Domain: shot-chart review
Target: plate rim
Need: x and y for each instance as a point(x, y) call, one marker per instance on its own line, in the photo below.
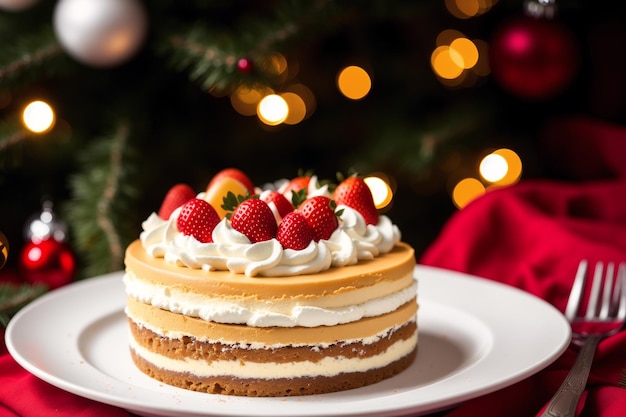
point(425, 275)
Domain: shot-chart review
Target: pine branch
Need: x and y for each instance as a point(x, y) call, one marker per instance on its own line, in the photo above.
point(14, 297)
point(29, 57)
point(211, 56)
point(102, 191)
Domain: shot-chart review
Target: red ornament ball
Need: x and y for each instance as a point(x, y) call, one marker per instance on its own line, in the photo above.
point(245, 65)
point(49, 261)
point(534, 58)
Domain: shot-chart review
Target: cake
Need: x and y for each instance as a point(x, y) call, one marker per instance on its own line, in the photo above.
point(311, 304)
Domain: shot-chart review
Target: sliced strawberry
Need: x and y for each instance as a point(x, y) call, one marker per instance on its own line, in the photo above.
point(278, 203)
point(254, 218)
point(319, 212)
point(175, 197)
point(294, 232)
point(354, 192)
point(198, 218)
point(236, 174)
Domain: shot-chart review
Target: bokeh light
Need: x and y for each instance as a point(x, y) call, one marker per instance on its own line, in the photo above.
point(501, 167)
point(467, 50)
point(493, 167)
point(297, 108)
point(354, 82)
point(38, 117)
point(272, 110)
point(445, 63)
point(466, 191)
point(381, 191)
point(465, 9)
point(245, 100)
point(458, 61)
point(514, 166)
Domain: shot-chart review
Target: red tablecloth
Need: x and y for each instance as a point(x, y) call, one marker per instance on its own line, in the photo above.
point(531, 235)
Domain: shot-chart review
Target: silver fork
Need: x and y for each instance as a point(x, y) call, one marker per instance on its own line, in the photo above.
point(598, 322)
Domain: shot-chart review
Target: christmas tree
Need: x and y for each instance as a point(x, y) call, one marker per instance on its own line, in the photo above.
point(149, 94)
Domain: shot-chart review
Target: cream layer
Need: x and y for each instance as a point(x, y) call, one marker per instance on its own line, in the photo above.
point(335, 287)
point(168, 324)
point(328, 366)
point(282, 313)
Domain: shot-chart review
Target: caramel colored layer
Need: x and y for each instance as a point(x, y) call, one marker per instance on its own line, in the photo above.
point(274, 387)
point(170, 324)
point(378, 272)
point(188, 347)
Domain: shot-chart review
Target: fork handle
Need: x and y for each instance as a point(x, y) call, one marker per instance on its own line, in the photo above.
point(564, 402)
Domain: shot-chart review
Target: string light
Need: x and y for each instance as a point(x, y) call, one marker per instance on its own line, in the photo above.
point(272, 110)
point(465, 9)
point(514, 167)
point(245, 100)
point(354, 82)
point(297, 108)
point(493, 167)
point(466, 191)
point(454, 56)
point(381, 191)
point(38, 117)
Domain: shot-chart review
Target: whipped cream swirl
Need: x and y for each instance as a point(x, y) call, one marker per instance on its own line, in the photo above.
point(231, 250)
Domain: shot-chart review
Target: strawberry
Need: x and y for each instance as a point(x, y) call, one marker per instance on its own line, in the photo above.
point(278, 203)
point(235, 174)
point(294, 232)
point(319, 212)
point(198, 219)
point(254, 218)
point(298, 183)
point(175, 197)
point(354, 192)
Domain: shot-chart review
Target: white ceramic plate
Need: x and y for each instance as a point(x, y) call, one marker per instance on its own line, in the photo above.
point(476, 336)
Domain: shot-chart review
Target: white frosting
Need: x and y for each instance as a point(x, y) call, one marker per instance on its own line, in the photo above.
point(259, 313)
point(353, 241)
point(328, 366)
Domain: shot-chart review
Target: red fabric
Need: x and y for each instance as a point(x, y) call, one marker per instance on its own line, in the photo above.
point(24, 395)
point(532, 236)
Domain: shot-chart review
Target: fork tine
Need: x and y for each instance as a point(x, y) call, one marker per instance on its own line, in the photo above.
point(607, 302)
point(595, 291)
point(576, 292)
point(620, 291)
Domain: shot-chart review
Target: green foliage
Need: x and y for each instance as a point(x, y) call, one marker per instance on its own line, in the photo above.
point(103, 194)
point(14, 297)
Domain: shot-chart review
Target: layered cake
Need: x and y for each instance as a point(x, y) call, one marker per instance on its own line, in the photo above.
point(271, 299)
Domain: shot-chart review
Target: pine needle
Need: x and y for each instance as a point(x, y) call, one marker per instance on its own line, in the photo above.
point(14, 297)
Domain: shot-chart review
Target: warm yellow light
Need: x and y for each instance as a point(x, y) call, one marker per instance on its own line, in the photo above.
point(465, 9)
point(467, 50)
point(297, 108)
point(245, 100)
point(38, 117)
point(446, 63)
point(306, 95)
point(493, 167)
point(272, 110)
point(514, 164)
point(466, 191)
point(354, 82)
point(381, 191)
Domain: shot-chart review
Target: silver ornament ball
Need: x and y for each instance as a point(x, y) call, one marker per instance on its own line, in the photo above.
point(100, 33)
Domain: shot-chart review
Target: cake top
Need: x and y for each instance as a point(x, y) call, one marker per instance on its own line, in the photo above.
point(290, 227)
